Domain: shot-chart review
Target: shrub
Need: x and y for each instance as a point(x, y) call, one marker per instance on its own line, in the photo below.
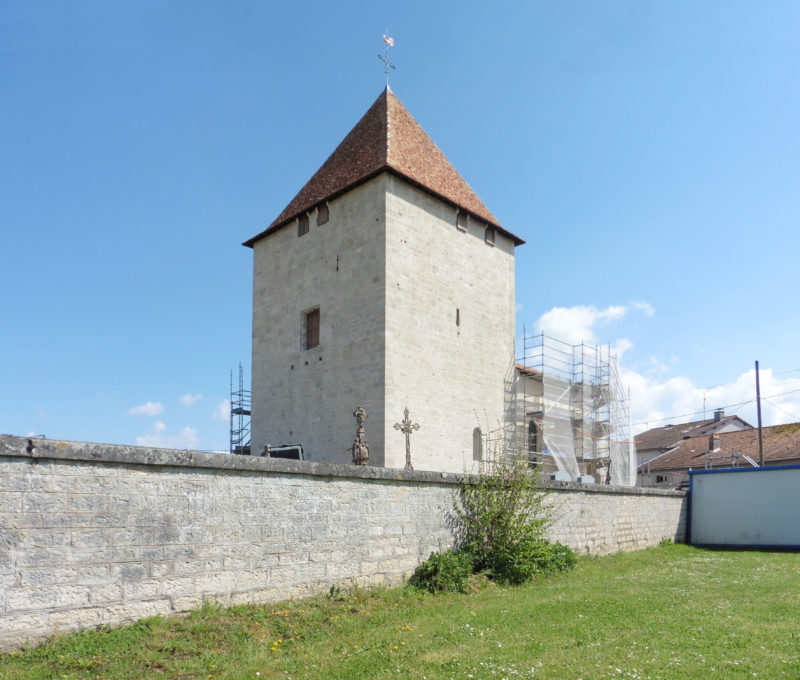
point(447, 571)
point(503, 522)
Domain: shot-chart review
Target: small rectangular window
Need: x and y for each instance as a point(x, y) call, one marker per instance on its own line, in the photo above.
point(302, 224)
point(311, 330)
point(461, 220)
point(490, 235)
point(322, 214)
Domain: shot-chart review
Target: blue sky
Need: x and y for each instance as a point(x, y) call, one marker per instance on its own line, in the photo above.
point(646, 151)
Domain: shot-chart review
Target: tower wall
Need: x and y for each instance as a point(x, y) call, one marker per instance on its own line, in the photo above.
point(413, 312)
point(449, 331)
point(308, 396)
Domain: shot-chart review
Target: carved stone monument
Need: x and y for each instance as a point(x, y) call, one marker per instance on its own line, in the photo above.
point(360, 447)
point(407, 427)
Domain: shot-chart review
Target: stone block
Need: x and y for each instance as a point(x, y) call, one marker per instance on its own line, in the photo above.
point(82, 502)
point(263, 561)
point(140, 590)
point(131, 571)
point(136, 610)
point(187, 603)
point(222, 582)
point(15, 477)
point(92, 538)
point(20, 520)
point(48, 577)
point(77, 618)
point(246, 580)
point(108, 592)
point(183, 585)
point(196, 566)
point(282, 575)
point(11, 502)
point(45, 503)
point(34, 557)
point(46, 597)
point(159, 569)
point(299, 557)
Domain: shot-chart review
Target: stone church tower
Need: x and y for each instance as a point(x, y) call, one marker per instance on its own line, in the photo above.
point(385, 283)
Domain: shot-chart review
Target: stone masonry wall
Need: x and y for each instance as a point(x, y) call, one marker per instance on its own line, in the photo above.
point(94, 534)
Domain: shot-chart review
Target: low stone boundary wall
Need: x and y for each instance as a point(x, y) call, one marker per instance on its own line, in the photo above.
point(95, 534)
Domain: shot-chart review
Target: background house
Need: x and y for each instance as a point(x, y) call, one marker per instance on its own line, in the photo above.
point(658, 440)
point(738, 448)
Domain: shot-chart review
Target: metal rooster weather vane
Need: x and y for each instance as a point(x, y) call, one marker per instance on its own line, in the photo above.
point(388, 42)
point(407, 427)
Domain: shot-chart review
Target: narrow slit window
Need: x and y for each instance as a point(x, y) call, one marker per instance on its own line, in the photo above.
point(302, 224)
point(322, 214)
point(461, 220)
point(477, 444)
point(311, 330)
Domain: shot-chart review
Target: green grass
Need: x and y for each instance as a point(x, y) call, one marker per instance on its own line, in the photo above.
point(666, 612)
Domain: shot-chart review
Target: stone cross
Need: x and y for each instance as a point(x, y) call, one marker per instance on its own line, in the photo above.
point(407, 427)
point(360, 448)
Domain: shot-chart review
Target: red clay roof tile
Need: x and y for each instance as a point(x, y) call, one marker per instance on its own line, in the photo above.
point(781, 444)
point(387, 138)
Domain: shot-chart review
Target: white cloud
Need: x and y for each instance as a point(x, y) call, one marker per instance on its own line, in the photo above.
point(150, 408)
point(644, 307)
point(655, 403)
point(190, 400)
point(223, 411)
point(577, 324)
point(658, 398)
point(621, 346)
point(185, 439)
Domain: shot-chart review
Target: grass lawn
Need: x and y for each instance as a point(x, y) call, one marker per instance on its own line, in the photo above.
point(667, 612)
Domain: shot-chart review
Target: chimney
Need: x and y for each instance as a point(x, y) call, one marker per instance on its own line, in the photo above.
point(719, 414)
point(713, 442)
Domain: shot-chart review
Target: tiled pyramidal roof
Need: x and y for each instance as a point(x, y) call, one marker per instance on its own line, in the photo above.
point(387, 138)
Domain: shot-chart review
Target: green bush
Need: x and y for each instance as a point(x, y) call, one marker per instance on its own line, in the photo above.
point(503, 521)
point(447, 571)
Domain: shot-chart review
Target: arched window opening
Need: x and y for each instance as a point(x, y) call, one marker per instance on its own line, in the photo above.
point(533, 443)
point(477, 444)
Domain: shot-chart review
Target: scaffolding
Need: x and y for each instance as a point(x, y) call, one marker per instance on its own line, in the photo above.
point(240, 417)
point(573, 410)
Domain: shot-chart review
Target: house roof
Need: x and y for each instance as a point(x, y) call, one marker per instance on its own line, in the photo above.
point(781, 443)
point(527, 370)
point(386, 139)
point(665, 437)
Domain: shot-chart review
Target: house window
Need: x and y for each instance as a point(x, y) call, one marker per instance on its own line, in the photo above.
point(533, 437)
point(477, 444)
point(322, 214)
point(490, 235)
point(461, 220)
point(533, 444)
point(302, 224)
point(311, 328)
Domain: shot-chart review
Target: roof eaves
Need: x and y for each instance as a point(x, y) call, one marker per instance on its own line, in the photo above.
point(496, 225)
point(289, 219)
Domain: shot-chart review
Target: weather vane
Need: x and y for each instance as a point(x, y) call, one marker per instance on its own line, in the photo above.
point(388, 42)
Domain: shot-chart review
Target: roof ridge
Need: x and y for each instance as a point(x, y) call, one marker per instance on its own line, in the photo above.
point(386, 138)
